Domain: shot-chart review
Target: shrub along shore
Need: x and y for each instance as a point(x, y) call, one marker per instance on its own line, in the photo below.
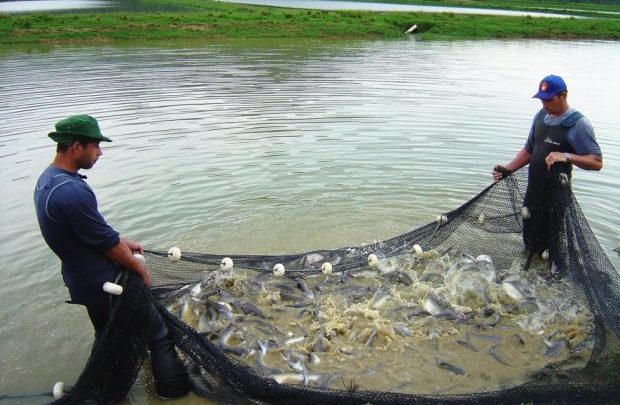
point(210, 20)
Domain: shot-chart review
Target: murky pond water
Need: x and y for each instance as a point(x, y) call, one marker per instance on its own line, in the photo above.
point(260, 147)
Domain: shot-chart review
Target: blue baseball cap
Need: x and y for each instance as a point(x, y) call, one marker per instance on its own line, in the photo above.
point(549, 87)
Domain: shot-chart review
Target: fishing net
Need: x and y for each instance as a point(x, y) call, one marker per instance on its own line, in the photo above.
point(457, 311)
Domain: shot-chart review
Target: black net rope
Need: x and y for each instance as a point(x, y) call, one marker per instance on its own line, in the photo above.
point(492, 221)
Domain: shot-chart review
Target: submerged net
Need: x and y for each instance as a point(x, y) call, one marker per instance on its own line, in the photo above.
point(456, 311)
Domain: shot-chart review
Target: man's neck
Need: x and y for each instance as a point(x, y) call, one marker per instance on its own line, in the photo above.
point(564, 110)
point(61, 162)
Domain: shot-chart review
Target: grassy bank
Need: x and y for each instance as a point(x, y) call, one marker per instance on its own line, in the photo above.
point(214, 20)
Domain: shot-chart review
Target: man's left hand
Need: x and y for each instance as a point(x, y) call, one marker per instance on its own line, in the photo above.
point(554, 157)
point(135, 247)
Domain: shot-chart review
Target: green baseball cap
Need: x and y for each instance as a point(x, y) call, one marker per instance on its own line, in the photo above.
point(77, 126)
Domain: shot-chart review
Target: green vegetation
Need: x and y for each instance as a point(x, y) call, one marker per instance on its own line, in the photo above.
point(214, 20)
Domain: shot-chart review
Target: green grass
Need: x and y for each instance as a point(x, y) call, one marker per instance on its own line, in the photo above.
point(206, 20)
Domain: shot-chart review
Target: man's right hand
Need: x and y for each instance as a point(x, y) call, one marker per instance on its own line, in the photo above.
point(499, 172)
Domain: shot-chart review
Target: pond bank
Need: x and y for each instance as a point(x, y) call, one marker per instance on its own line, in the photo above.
point(215, 20)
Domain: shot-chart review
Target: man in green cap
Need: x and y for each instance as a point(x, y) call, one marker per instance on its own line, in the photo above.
point(90, 250)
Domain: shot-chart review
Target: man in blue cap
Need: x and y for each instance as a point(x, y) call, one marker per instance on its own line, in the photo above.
point(559, 138)
point(92, 252)
point(576, 143)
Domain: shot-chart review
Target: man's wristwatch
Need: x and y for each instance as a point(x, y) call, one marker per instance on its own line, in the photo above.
point(567, 157)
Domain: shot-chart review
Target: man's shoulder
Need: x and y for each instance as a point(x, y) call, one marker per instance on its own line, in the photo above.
point(58, 184)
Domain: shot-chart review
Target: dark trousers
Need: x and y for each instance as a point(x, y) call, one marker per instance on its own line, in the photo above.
point(171, 379)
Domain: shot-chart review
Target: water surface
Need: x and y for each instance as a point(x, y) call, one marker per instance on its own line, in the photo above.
point(260, 147)
point(370, 6)
point(21, 6)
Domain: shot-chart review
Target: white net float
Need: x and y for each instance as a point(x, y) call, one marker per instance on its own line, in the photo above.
point(226, 264)
point(174, 254)
point(58, 390)
point(112, 288)
point(525, 212)
point(326, 268)
point(278, 270)
point(373, 260)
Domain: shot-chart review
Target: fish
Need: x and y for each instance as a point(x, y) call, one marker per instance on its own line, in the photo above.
point(488, 338)
point(248, 308)
point(311, 259)
point(326, 380)
point(298, 378)
point(433, 336)
point(226, 335)
point(490, 321)
point(223, 308)
point(371, 338)
point(493, 353)
point(372, 370)
point(467, 344)
point(260, 358)
point(432, 307)
point(314, 359)
point(554, 348)
point(379, 300)
point(296, 365)
point(520, 338)
point(450, 367)
point(513, 291)
point(196, 290)
point(414, 313)
point(399, 277)
point(308, 293)
point(208, 326)
point(347, 350)
point(402, 330)
point(321, 344)
point(356, 293)
point(432, 278)
point(293, 340)
point(261, 325)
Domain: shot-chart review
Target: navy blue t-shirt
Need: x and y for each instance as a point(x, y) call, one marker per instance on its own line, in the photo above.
point(75, 230)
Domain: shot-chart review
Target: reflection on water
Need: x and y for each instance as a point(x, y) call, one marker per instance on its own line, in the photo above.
point(28, 6)
point(75, 5)
point(370, 6)
point(271, 148)
point(51, 5)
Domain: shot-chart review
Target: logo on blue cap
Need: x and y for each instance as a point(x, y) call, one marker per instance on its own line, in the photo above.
point(549, 87)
